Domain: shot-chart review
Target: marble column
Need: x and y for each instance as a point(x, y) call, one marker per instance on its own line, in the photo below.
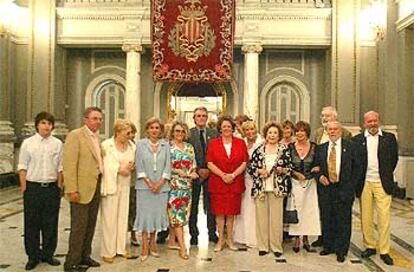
point(7, 135)
point(44, 91)
point(345, 61)
point(133, 84)
point(251, 80)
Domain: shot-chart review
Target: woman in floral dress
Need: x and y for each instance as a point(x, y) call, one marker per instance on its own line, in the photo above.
point(183, 168)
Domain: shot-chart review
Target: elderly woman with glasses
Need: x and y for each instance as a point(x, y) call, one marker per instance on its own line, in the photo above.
point(118, 158)
point(183, 171)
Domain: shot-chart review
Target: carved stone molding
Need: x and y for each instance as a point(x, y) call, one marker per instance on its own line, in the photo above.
point(6, 132)
point(252, 48)
point(132, 47)
point(110, 14)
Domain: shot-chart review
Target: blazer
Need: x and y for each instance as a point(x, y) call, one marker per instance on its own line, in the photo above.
point(346, 181)
point(195, 141)
point(80, 165)
point(387, 160)
point(346, 134)
point(111, 165)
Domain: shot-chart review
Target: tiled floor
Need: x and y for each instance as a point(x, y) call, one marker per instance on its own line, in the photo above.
point(13, 258)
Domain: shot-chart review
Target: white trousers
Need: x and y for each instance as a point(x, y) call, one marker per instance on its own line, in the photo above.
point(114, 214)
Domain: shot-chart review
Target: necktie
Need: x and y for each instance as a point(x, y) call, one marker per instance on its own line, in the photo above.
point(202, 142)
point(332, 164)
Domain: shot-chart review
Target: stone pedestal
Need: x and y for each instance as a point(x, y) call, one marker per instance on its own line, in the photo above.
point(7, 139)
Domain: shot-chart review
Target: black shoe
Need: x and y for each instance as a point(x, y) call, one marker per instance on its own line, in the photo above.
point(52, 261)
point(194, 241)
point(277, 254)
point(89, 262)
point(308, 248)
point(74, 268)
point(161, 240)
point(31, 264)
point(296, 249)
point(213, 238)
point(368, 253)
point(317, 243)
point(325, 252)
point(340, 258)
point(262, 252)
point(387, 259)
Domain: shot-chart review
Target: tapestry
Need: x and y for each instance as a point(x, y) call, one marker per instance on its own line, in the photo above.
point(192, 40)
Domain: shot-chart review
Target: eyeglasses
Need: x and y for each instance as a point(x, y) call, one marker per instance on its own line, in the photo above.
point(201, 115)
point(179, 130)
point(95, 118)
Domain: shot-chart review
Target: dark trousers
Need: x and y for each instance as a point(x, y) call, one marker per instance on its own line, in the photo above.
point(336, 217)
point(82, 228)
point(211, 221)
point(132, 208)
point(41, 215)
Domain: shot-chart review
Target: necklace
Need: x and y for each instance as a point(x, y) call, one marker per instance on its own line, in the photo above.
point(154, 145)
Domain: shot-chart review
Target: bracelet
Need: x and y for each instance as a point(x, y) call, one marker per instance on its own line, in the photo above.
point(232, 175)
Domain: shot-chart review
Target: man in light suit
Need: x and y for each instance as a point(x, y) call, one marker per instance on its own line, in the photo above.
point(328, 114)
point(200, 137)
point(377, 153)
point(336, 191)
point(82, 169)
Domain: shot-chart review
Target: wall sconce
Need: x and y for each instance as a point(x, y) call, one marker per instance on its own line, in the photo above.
point(378, 18)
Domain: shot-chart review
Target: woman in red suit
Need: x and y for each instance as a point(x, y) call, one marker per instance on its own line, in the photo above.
point(227, 159)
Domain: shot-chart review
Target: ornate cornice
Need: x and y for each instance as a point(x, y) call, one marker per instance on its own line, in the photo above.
point(405, 22)
point(252, 48)
point(106, 14)
point(284, 14)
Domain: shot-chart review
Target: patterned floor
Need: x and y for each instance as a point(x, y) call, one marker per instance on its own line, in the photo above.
point(203, 258)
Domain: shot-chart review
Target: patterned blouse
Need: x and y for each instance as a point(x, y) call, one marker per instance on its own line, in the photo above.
point(183, 159)
point(282, 183)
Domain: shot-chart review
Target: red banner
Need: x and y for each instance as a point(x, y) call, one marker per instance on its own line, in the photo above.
point(192, 40)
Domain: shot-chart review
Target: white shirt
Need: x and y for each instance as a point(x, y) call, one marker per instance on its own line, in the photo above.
point(41, 158)
point(372, 152)
point(338, 149)
point(227, 147)
point(96, 143)
point(270, 162)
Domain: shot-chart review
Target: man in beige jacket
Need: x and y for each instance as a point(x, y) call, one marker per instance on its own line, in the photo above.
point(82, 169)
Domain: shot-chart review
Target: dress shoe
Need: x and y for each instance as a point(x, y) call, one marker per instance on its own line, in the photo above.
point(74, 268)
point(183, 255)
point(31, 264)
point(128, 256)
point(308, 248)
point(325, 252)
point(340, 258)
point(194, 241)
point(52, 261)
point(368, 253)
point(262, 252)
point(108, 259)
point(89, 262)
point(213, 238)
point(386, 258)
point(173, 247)
point(317, 243)
point(296, 249)
point(277, 254)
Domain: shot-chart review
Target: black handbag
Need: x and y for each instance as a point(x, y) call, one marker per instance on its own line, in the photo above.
point(290, 215)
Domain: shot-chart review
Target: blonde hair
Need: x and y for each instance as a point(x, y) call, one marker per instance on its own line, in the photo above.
point(121, 124)
point(248, 124)
point(151, 121)
point(183, 125)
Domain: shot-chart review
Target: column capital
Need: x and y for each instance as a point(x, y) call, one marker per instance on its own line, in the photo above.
point(135, 47)
point(252, 48)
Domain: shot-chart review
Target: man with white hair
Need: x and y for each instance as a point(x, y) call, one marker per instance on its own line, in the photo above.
point(377, 154)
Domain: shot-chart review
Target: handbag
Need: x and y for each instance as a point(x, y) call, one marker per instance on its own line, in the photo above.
point(290, 215)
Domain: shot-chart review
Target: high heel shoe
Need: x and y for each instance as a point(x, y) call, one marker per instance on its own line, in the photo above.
point(296, 249)
point(183, 255)
point(219, 246)
point(308, 248)
point(143, 258)
point(231, 245)
point(154, 254)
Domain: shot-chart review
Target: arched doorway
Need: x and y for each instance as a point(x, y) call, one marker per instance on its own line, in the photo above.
point(183, 98)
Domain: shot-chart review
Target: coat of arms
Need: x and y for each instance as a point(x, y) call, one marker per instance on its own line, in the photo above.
point(192, 36)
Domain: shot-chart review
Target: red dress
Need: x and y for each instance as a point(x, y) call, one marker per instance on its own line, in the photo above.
point(225, 199)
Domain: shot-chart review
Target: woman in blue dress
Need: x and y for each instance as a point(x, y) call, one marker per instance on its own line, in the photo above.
point(153, 166)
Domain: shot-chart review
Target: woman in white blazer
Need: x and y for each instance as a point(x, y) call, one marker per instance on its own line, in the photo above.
point(118, 156)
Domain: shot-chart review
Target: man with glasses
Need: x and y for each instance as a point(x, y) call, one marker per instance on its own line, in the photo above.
point(200, 137)
point(82, 170)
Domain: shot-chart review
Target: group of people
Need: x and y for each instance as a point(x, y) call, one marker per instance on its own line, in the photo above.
point(248, 181)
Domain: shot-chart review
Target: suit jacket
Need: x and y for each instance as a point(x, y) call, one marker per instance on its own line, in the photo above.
point(346, 134)
point(80, 165)
point(387, 160)
point(195, 141)
point(347, 170)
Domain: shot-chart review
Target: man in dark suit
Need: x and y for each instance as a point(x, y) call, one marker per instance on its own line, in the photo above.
point(336, 191)
point(377, 154)
point(82, 169)
point(320, 136)
point(199, 138)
